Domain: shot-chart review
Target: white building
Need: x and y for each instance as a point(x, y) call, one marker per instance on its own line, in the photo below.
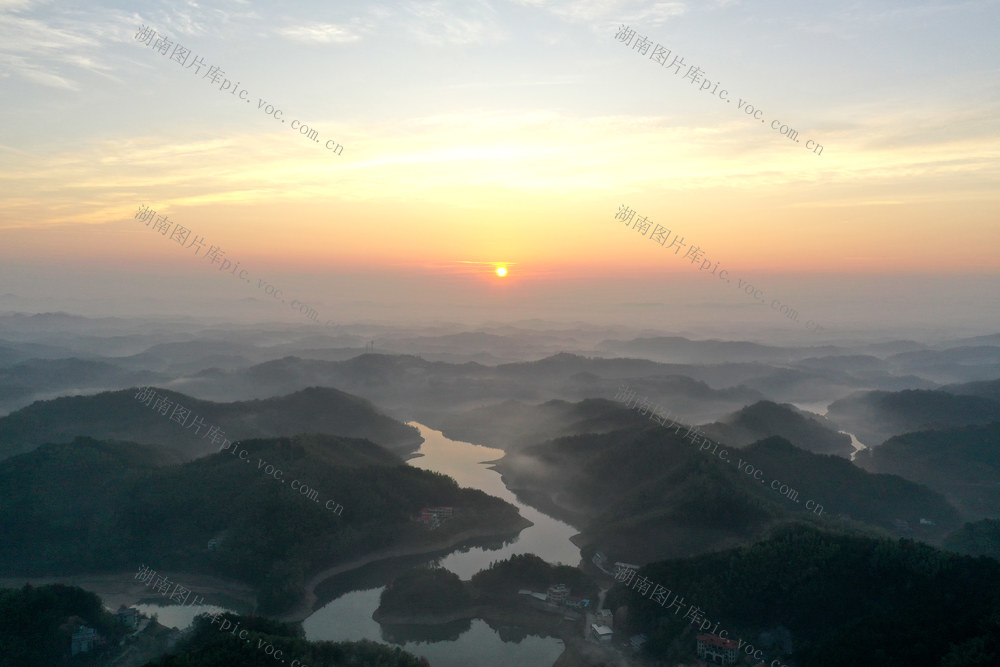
point(601, 633)
point(557, 594)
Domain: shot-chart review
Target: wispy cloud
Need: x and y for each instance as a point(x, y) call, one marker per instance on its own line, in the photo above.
point(601, 12)
point(448, 23)
point(325, 33)
point(450, 157)
point(46, 52)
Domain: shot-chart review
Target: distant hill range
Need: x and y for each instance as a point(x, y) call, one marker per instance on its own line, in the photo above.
point(986, 389)
point(764, 419)
point(878, 415)
point(962, 463)
point(117, 415)
point(966, 363)
point(679, 350)
point(22, 382)
point(961, 361)
point(433, 390)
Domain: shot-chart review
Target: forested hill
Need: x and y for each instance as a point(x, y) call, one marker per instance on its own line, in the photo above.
point(118, 415)
point(764, 419)
point(647, 494)
point(962, 463)
point(268, 643)
point(876, 416)
point(847, 600)
point(91, 506)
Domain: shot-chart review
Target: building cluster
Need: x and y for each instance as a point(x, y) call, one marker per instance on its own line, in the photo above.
point(717, 650)
point(432, 517)
point(558, 595)
point(85, 638)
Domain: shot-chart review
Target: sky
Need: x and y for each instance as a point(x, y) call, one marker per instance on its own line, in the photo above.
point(474, 134)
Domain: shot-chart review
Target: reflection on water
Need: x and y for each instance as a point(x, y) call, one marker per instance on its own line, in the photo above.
point(547, 538)
point(425, 634)
point(348, 618)
point(482, 647)
point(467, 642)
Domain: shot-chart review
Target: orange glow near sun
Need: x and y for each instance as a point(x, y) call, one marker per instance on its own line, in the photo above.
point(501, 271)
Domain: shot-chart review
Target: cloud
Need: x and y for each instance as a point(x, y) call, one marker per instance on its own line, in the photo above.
point(40, 52)
point(324, 33)
point(17, 5)
point(615, 11)
point(443, 23)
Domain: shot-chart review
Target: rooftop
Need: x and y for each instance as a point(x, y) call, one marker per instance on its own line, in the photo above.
point(719, 642)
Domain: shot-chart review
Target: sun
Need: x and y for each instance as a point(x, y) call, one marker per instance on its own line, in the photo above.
point(501, 271)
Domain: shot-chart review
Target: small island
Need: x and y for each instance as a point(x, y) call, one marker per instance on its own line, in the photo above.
point(522, 591)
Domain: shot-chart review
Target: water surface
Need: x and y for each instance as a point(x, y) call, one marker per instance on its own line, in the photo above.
point(348, 616)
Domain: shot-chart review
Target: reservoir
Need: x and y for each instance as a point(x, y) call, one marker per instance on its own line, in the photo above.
point(347, 616)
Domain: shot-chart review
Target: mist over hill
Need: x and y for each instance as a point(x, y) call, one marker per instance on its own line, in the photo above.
point(876, 416)
point(657, 492)
point(118, 415)
point(765, 419)
point(326, 408)
point(962, 463)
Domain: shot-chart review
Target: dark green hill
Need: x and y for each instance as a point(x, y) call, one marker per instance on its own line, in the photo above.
point(512, 425)
point(986, 389)
point(90, 507)
point(36, 625)
point(875, 416)
point(875, 499)
point(961, 463)
point(981, 538)
point(259, 646)
point(429, 591)
point(652, 494)
point(117, 415)
point(765, 419)
point(642, 488)
point(847, 600)
point(424, 590)
point(504, 578)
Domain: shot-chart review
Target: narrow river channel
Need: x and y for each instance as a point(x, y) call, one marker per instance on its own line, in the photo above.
point(348, 615)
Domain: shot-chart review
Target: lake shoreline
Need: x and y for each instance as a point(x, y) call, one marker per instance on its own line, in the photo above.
point(305, 608)
point(116, 589)
point(577, 651)
point(121, 588)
